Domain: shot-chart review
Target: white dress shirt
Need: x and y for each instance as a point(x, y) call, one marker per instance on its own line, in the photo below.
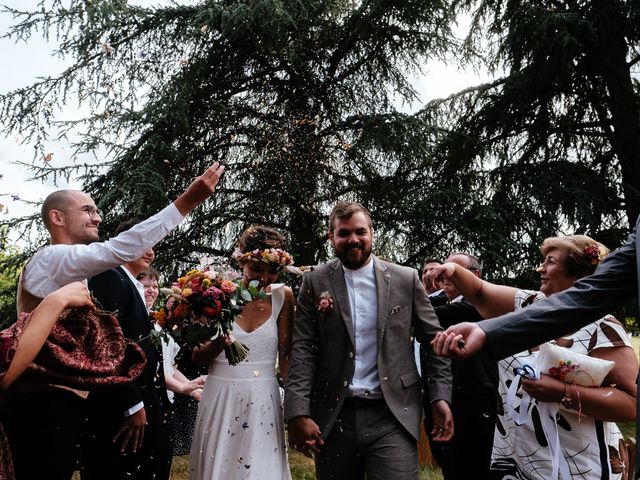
point(58, 265)
point(140, 288)
point(361, 286)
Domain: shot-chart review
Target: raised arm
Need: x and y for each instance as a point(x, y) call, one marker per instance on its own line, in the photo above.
point(63, 264)
point(489, 299)
point(39, 326)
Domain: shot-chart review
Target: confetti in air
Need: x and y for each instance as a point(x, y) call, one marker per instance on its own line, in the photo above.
point(106, 48)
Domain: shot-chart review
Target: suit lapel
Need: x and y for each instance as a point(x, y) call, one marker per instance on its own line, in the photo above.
point(142, 308)
point(383, 282)
point(341, 296)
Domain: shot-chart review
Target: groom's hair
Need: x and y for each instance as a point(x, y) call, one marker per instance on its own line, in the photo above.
point(346, 210)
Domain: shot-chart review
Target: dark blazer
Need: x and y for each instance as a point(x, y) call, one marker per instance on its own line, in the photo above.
point(614, 283)
point(322, 359)
point(116, 292)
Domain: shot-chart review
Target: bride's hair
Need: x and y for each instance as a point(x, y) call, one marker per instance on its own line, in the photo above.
point(259, 237)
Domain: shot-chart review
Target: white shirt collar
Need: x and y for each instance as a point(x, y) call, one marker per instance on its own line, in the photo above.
point(137, 283)
point(364, 270)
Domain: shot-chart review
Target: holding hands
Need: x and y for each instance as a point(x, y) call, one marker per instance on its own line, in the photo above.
point(304, 435)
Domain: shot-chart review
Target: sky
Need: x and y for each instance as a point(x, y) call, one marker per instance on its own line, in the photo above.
point(28, 61)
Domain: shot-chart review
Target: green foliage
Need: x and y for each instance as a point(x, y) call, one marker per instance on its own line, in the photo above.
point(10, 266)
point(297, 100)
point(294, 97)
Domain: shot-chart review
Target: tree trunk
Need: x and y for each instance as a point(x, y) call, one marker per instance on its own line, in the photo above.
point(610, 61)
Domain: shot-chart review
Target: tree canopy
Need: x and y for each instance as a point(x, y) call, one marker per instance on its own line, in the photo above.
point(299, 100)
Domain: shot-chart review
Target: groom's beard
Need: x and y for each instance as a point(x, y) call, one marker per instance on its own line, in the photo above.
point(354, 256)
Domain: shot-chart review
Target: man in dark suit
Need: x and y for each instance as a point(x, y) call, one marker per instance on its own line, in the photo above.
point(474, 397)
point(127, 430)
point(353, 392)
point(614, 283)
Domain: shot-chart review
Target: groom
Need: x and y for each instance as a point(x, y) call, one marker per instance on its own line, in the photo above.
point(353, 393)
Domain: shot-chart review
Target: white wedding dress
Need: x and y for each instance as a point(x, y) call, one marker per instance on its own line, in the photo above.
point(239, 431)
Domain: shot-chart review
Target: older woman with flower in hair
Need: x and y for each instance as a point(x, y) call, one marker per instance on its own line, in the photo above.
point(589, 439)
point(239, 432)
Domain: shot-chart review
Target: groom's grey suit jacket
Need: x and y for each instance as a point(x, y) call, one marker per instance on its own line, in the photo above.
point(614, 283)
point(323, 356)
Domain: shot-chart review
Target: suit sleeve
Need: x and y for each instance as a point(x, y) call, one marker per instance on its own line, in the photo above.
point(612, 284)
point(453, 313)
point(110, 291)
point(304, 351)
point(436, 370)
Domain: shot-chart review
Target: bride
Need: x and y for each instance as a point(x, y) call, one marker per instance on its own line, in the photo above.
point(239, 431)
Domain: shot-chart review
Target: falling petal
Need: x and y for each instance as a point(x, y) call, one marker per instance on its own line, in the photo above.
point(106, 48)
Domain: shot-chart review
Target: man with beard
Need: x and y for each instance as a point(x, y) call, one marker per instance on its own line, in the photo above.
point(353, 394)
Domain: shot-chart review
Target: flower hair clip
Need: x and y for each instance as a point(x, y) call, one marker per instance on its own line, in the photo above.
point(593, 254)
point(276, 256)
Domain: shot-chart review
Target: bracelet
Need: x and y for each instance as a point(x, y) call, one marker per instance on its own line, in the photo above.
point(579, 402)
point(566, 401)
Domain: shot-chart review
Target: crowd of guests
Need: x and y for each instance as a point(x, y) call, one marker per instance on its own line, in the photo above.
point(361, 352)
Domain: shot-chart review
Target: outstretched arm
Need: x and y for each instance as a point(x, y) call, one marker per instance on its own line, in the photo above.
point(489, 299)
point(40, 324)
point(614, 283)
point(63, 264)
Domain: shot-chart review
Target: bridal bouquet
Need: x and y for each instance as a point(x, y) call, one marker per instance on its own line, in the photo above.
point(201, 306)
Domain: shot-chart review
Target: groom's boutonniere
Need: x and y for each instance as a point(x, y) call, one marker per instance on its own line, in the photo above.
point(324, 303)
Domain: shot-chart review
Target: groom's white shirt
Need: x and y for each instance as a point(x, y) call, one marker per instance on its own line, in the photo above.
point(361, 287)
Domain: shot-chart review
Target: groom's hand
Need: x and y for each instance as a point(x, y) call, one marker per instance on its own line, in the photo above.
point(304, 435)
point(200, 189)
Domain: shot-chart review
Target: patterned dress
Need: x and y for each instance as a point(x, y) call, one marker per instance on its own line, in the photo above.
point(591, 447)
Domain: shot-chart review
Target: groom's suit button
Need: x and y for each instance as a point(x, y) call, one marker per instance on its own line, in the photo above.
point(344, 384)
point(350, 354)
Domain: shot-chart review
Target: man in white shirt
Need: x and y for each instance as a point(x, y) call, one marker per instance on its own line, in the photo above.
point(353, 393)
point(46, 424)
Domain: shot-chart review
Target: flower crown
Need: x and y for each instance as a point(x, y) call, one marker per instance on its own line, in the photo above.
point(276, 256)
point(593, 254)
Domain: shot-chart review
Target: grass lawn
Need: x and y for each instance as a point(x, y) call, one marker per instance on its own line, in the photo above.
point(301, 469)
